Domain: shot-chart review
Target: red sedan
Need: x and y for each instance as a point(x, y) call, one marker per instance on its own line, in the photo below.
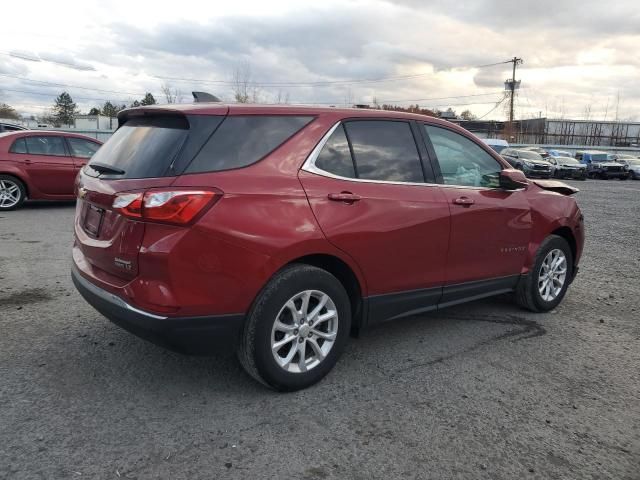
point(41, 165)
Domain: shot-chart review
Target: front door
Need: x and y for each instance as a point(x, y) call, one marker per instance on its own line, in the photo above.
point(490, 227)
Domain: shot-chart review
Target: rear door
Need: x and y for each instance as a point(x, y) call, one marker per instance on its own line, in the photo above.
point(368, 190)
point(81, 150)
point(490, 227)
point(48, 163)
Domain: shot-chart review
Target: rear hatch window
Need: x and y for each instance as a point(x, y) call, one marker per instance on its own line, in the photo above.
point(142, 147)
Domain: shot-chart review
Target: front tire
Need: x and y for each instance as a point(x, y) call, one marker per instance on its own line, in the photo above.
point(296, 328)
point(12, 193)
point(544, 287)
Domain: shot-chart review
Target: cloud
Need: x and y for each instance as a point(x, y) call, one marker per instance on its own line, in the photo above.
point(575, 53)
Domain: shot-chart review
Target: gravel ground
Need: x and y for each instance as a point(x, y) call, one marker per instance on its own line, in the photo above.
point(483, 390)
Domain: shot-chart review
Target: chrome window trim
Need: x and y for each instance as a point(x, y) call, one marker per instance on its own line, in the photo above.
point(310, 166)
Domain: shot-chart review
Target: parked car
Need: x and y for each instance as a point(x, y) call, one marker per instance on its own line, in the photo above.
point(633, 167)
point(10, 127)
point(567, 167)
point(599, 165)
point(41, 165)
point(496, 144)
point(277, 230)
point(620, 157)
point(530, 162)
point(539, 150)
point(560, 153)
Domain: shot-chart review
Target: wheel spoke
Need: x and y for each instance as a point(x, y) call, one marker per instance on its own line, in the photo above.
point(319, 307)
point(316, 349)
point(302, 361)
point(326, 316)
point(284, 327)
point(281, 343)
point(304, 308)
point(330, 336)
point(284, 362)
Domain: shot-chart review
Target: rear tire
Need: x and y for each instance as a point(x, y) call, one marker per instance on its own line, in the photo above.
point(280, 313)
point(531, 293)
point(12, 193)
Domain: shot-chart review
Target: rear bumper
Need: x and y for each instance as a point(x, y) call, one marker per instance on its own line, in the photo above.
point(194, 335)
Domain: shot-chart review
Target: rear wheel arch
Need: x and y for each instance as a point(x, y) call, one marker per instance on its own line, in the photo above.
point(345, 275)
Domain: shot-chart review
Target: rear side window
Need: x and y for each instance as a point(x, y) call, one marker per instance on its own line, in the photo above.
point(385, 150)
point(46, 146)
point(242, 140)
point(82, 148)
point(144, 147)
point(335, 156)
point(19, 146)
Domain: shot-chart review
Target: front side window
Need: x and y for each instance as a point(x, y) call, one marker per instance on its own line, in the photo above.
point(335, 156)
point(384, 150)
point(82, 148)
point(242, 140)
point(461, 161)
point(46, 146)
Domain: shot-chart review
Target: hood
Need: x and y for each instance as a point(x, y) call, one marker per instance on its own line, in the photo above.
point(556, 186)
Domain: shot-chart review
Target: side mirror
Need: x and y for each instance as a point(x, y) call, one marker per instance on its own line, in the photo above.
point(512, 179)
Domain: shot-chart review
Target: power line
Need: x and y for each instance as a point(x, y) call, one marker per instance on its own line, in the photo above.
point(495, 106)
point(43, 82)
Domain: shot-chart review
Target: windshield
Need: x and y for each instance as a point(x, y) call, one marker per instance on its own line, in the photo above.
point(560, 153)
point(529, 155)
point(635, 161)
point(566, 160)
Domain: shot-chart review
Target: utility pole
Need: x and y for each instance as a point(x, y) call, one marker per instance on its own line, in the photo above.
point(512, 83)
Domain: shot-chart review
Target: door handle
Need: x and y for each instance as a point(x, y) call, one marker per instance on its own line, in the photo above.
point(464, 201)
point(27, 161)
point(346, 197)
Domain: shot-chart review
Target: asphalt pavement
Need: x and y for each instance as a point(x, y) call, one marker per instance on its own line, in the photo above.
point(483, 390)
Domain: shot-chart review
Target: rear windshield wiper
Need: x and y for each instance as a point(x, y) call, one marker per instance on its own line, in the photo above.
point(104, 168)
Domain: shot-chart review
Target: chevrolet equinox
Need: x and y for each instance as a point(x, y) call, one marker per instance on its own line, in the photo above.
point(276, 231)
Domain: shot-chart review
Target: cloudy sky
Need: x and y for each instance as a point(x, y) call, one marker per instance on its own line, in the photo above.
point(581, 58)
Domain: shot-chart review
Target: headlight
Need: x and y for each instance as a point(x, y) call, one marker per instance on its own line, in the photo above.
point(527, 164)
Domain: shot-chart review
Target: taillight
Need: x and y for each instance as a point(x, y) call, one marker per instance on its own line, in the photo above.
point(167, 206)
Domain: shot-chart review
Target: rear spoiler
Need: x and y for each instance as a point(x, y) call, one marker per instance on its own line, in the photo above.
point(556, 186)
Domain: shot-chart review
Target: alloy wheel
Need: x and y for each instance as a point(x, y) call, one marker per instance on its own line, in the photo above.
point(304, 331)
point(9, 194)
point(553, 275)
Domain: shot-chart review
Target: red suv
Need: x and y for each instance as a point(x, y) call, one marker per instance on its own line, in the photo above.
point(41, 165)
point(277, 230)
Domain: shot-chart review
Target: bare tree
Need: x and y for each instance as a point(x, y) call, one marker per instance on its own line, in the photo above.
point(171, 94)
point(242, 83)
point(282, 97)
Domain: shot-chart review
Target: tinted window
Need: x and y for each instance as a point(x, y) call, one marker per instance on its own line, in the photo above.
point(144, 147)
point(46, 146)
point(82, 148)
point(335, 156)
point(19, 146)
point(242, 140)
point(385, 150)
point(529, 155)
point(461, 161)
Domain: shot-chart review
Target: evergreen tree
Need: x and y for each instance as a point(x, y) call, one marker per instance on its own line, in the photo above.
point(109, 110)
point(148, 100)
point(95, 111)
point(64, 109)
